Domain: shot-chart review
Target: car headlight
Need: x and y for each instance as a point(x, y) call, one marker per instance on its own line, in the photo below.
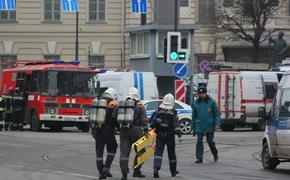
point(52, 111)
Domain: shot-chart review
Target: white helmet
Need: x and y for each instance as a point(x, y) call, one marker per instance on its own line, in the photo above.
point(168, 102)
point(133, 93)
point(110, 93)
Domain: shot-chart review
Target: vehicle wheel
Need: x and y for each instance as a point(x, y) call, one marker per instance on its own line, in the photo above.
point(35, 123)
point(227, 127)
point(267, 161)
point(260, 126)
point(185, 126)
point(56, 128)
point(84, 128)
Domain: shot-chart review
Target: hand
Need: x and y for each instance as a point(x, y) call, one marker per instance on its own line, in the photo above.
point(193, 133)
point(217, 127)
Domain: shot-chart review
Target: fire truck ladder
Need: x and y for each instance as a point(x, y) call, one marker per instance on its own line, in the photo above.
point(230, 96)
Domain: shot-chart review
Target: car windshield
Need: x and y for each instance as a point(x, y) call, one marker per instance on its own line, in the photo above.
point(63, 83)
point(285, 104)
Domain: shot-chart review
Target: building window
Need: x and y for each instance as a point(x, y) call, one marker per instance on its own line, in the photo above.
point(97, 10)
point(184, 3)
point(140, 43)
point(51, 57)
point(206, 12)
point(7, 60)
point(96, 61)
point(228, 3)
point(250, 6)
point(51, 10)
point(8, 15)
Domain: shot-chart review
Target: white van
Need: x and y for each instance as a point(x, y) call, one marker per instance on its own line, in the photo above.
point(145, 82)
point(239, 94)
point(276, 141)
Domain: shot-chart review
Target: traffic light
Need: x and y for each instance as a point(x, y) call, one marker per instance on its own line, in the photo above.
point(174, 52)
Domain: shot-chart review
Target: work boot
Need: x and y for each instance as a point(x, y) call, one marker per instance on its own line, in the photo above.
point(199, 161)
point(124, 176)
point(138, 174)
point(216, 158)
point(102, 176)
point(173, 174)
point(155, 173)
point(108, 174)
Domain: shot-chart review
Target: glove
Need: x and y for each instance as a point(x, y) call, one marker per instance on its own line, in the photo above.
point(193, 133)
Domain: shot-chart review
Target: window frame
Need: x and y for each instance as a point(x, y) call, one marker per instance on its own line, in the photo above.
point(9, 19)
point(144, 50)
point(52, 20)
point(96, 20)
point(97, 64)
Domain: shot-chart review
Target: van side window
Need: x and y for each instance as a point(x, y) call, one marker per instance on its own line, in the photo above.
point(270, 90)
point(284, 110)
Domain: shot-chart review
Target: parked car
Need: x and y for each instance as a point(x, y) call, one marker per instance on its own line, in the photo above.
point(184, 112)
point(276, 141)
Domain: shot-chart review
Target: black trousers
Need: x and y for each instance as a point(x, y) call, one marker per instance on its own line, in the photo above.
point(105, 137)
point(17, 119)
point(163, 139)
point(127, 137)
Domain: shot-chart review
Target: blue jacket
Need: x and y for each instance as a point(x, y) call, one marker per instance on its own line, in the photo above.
point(205, 115)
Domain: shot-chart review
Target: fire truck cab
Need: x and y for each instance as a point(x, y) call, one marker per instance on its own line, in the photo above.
point(56, 93)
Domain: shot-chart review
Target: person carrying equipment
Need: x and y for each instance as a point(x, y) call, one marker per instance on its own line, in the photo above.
point(103, 118)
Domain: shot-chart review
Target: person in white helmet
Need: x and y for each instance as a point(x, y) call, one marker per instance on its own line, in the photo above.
point(131, 131)
point(104, 131)
point(165, 122)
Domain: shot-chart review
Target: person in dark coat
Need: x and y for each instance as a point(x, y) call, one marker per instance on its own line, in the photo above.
point(205, 120)
point(165, 122)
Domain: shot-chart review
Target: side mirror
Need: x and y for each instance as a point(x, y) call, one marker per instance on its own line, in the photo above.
point(262, 113)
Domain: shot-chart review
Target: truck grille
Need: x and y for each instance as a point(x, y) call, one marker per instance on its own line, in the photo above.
point(70, 105)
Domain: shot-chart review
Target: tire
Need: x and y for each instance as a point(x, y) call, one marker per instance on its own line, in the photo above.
point(260, 126)
point(35, 123)
point(227, 127)
point(56, 128)
point(84, 128)
point(267, 161)
point(185, 126)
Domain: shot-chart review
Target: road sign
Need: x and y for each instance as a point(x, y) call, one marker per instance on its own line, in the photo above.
point(180, 70)
point(7, 5)
point(204, 66)
point(139, 6)
point(70, 5)
point(180, 90)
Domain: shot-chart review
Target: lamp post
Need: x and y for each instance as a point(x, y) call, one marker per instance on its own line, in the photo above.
point(77, 37)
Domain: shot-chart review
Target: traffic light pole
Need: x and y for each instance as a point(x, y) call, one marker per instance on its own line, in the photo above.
point(175, 15)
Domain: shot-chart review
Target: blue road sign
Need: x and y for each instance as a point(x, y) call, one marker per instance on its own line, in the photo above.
point(70, 5)
point(7, 5)
point(139, 6)
point(180, 70)
point(143, 6)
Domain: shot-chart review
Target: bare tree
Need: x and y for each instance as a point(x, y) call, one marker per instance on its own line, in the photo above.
point(246, 19)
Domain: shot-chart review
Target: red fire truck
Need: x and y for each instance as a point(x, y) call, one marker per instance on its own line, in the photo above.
point(56, 93)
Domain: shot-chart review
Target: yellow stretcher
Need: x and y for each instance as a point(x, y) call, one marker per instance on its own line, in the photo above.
point(146, 142)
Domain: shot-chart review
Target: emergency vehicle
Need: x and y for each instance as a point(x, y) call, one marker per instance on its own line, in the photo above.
point(56, 93)
point(240, 94)
point(276, 141)
point(145, 82)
